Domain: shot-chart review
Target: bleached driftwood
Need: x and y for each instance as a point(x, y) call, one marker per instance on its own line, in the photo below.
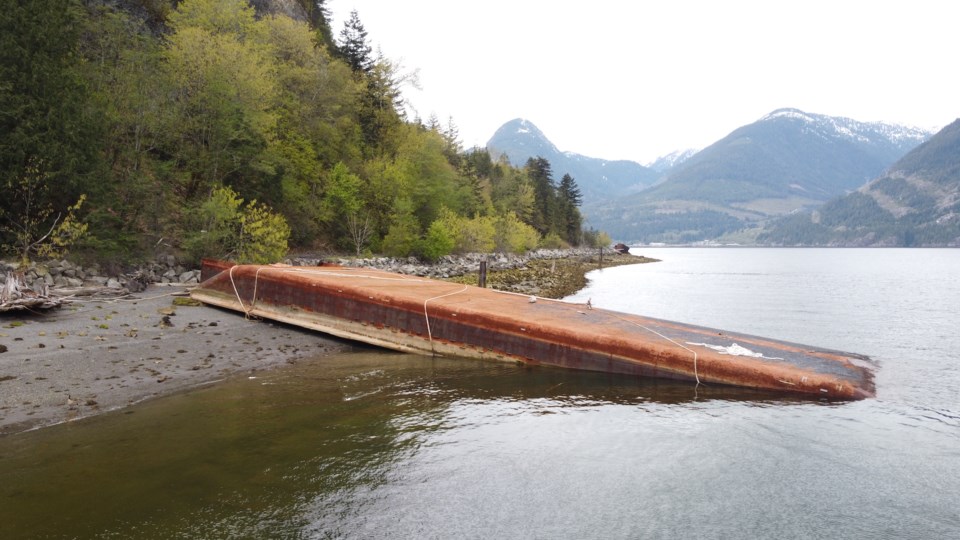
point(15, 296)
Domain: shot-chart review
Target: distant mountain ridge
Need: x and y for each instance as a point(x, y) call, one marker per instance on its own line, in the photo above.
point(788, 160)
point(664, 163)
point(914, 203)
point(598, 179)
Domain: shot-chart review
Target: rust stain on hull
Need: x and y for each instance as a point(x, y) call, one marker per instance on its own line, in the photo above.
point(421, 315)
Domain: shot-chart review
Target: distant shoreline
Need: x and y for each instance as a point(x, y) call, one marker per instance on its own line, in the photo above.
point(553, 278)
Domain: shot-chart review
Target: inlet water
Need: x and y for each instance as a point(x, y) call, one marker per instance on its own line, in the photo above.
point(373, 444)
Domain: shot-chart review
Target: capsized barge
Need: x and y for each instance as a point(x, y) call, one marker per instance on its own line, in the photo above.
point(432, 317)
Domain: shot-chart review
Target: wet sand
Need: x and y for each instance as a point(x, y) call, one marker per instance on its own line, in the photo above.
point(97, 355)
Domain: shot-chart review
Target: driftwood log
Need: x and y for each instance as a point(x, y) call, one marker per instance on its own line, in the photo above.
point(15, 296)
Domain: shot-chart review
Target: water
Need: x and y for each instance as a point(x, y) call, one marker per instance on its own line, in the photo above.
point(373, 444)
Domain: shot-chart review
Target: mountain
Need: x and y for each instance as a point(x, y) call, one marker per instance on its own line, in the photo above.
point(597, 179)
point(664, 164)
point(914, 203)
point(788, 160)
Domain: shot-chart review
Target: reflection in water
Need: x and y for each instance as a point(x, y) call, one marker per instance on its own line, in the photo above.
point(311, 449)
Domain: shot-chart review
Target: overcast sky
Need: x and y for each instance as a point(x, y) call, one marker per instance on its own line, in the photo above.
point(619, 79)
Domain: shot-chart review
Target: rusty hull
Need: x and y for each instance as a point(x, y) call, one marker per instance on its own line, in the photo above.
point(421, 315)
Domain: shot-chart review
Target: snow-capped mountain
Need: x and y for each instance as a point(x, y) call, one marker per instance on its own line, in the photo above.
point(786, 161)
point(666, 162)
point(598, 179)
point(914, 203)
point(863, 132)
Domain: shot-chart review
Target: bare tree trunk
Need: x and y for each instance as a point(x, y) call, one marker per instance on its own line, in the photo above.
point(360, 231)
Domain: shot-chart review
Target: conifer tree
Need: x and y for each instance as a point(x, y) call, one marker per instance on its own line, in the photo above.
point(353, 47)
point(319, 15)
point(569, 215)
point(544, 190)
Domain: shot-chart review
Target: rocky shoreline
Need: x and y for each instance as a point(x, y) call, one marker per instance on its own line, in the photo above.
point(103, 352)
point(168, 269)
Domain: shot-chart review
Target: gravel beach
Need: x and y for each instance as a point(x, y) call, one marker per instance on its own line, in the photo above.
point(96, 355)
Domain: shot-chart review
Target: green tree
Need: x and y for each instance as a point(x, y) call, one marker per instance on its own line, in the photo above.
point(477, 234)
point(263, 235)
point(315, 130)
point(342, 203)
point(403, 234)
point(382, 113)
point(436, 243)
point(224, 94)
point(513, 235)
point(320, 18)
point(568, 214)
point(124, 74)
point(353, 46)
point(544, 191)
point(48, 135)
point(224, 227)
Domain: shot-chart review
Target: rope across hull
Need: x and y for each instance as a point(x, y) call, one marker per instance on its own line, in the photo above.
point(426, 316)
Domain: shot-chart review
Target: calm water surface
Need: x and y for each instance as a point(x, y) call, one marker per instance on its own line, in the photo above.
point(372, 444)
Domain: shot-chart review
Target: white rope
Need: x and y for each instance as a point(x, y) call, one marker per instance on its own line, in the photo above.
point(236, 292)
point(253, 301)
point(427, 316)
point(696, 375)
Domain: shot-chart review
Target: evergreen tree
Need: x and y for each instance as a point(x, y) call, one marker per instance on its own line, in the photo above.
point(319, 15)
point(544, 191)
point(381, 106)
point(48, 140)
point(353, 47)
point(570, 220)
point(569, 191)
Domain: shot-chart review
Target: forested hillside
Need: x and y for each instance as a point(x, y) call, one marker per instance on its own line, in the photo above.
point(214, 129)
point(915, 203)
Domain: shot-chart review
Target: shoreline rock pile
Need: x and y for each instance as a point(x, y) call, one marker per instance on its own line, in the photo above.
point(63, 274)
point(450, 265)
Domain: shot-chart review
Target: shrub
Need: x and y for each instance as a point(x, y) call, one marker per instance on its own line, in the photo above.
point(553, 241)
point(513, 235)
point(249, 234)
point(437, 243)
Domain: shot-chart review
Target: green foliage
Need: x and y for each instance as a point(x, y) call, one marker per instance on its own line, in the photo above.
point(49, 135)
point(167, 135)
point(437, 242)
point(596, 239)
point(544, 190)
point(263, 235)
point(553, 241)
point(229, 17)
point(68, 232)
point(223, 94)
point(404, 231)
point(515, 236)
point(249, 234)
point(342, 197)
point(477, 234)
point(215, 233)
point(568, 219)
point(353, 46)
